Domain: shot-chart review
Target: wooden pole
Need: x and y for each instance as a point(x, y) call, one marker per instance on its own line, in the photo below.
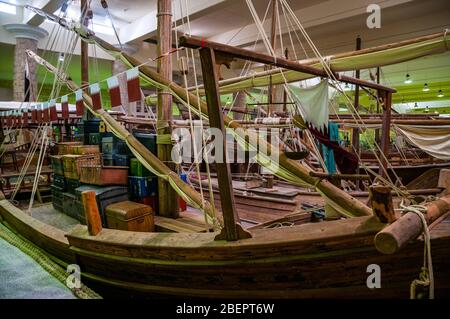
point(273, 43)
point(381, 202)
point(355, 130)
point(232, 229)
point(168, 199)
point(223, 49)
point(408, 227)
point(93, 220)
point(385, 132)
point(84, 55)
point(377, 131)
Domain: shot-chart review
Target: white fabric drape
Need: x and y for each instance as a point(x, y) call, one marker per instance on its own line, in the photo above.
point(435, 140)
point(312, 103)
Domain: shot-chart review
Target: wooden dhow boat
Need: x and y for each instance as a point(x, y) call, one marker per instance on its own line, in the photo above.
point(311, 260)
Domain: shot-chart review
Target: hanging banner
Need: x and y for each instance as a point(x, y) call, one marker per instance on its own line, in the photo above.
point(94, 90)
point(79, 102)
point(19, 117)
point(65, 107)
point(25, 117)
point(53, 113)
point(45, 113)
point(9, 119)
point(39, 113)
point(133, 87)
point(33, 114)
point(114, 91)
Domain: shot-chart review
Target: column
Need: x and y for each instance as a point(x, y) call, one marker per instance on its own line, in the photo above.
point(27, 38)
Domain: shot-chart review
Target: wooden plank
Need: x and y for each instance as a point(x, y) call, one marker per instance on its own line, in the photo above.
point(232, 229)
point(91, 212)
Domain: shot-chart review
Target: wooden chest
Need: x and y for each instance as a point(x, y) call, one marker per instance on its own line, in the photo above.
point(66, 147)
point(72, 164)
point(130, 216)
point(86, 149)
point(106, 175)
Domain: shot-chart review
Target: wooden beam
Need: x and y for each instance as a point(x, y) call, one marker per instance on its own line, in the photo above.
point(94, 222)
point(356, 130)
point(408, 227)
point(168, 198)
point(381, 202)
point(232, 229)
point(385, 130)
point(195, 43)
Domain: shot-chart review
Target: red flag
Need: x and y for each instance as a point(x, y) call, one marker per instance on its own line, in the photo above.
point(134, 90)
point(45, 113)
point(19, 118)
point(79, 102)
point(65, 107)
point(33, 114)
point(39, 113)
point(114, 91)
point(94, 90)
point(53, 113)
point(9, 119)
point(25, 117)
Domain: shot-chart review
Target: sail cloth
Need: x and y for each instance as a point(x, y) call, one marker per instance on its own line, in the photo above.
point(435, 140)
point(393, 55)
point(312, 104)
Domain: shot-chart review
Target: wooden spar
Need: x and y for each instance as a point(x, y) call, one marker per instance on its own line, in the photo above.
point(91, 212)
point(134, 143)
point(408, 227)
point(355, 130)
point(385, 130)
point(340, 176)
point(343, 199)
point(232, 229)
point(377, 131)
point(168, 199)
point(421, 122)
point(239, 53)
point(84, 55)
point(312, 61)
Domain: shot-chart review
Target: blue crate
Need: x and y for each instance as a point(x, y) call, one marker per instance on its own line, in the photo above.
point(143, 186)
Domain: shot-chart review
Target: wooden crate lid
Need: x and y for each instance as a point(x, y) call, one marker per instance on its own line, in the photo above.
point(127, 210)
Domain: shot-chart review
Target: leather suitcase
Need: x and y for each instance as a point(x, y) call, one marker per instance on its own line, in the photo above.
point(130, 216)
point(106, 175)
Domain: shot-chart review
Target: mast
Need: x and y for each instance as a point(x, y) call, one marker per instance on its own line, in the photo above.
point(355, 131)
point(84, 53)
point(273, 43)
point(168, 199)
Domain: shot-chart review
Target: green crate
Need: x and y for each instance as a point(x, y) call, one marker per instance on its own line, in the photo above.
point(137, 169)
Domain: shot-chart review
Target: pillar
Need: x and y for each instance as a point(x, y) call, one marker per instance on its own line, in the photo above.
point(27, 38)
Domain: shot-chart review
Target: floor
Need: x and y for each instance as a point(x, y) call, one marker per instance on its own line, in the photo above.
point(23, 278)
